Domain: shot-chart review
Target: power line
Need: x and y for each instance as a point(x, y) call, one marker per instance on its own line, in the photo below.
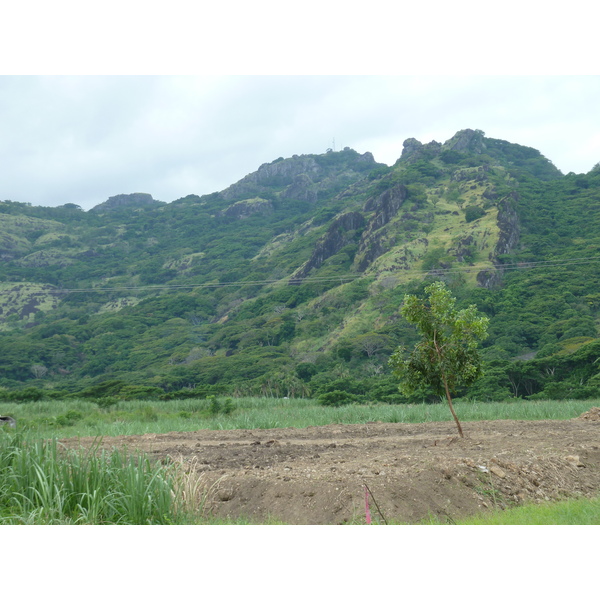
point(521, 265)
point(340, 278)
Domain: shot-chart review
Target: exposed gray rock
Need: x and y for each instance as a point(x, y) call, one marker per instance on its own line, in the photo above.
point(471, 174)
point(245, 208)
point(414, 150)
point(409, 147)
point(339, 234)
point(466, 140)
point(279, 171)
point(462, 247)
point(385, 206)
point(367, 157)
point(302, 188)
point(508, 223)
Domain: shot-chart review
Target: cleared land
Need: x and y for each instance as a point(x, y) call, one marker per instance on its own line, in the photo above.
point(414, 472)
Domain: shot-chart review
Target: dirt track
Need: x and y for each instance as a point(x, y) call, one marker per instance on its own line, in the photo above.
point(318, 475)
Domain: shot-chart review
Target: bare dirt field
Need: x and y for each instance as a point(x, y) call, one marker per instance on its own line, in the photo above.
point(318, 475)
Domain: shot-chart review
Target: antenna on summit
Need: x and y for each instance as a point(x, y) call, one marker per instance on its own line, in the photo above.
point(334, 144)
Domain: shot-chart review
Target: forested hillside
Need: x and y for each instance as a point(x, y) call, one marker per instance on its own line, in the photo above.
point(290, 281)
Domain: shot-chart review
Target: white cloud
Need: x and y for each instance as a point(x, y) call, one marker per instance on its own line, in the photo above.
point(82, 139)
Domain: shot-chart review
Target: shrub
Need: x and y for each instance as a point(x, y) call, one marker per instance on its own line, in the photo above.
point(139, 391)
point(338, 398)
point(107, 402)
point(69, 418)
point(106, 388)
point(346, 384)
point(215, 406)
point(472, 213)
point(28, 394)
point(387, 391)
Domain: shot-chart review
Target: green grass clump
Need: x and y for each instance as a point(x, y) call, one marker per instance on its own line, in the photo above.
point(43, 483)
point(581, 511)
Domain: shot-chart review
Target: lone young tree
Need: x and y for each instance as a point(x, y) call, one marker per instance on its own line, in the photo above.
point(447, 356)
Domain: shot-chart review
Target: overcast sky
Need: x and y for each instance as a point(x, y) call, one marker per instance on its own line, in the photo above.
point(82, 139)
point(84, 117)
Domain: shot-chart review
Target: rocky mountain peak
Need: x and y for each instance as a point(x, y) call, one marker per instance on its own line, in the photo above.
point(125, 200)
point(466, 140)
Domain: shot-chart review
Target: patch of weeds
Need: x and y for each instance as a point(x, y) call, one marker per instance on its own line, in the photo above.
point(107, 402)
point(147, 413)
point(69, 418)
point(488, 490)
point(216, 407)
point(228, 407)
point(92, 419)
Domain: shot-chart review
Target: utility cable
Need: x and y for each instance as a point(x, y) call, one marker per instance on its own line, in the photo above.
point(520, 265)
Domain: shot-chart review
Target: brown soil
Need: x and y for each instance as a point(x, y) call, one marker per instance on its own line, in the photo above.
point(414, 472)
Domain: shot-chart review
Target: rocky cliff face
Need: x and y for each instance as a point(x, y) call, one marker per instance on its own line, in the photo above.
point(414, 150)
point(302, 188)
point(475, 174)
point(508, 223)
point(279, 172)
point(340, 233)
point(385, 207)
point(306, 178)
point(467, 140)
point(245, 208)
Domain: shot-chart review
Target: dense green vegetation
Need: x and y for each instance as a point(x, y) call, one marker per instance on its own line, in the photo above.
point(159, 301)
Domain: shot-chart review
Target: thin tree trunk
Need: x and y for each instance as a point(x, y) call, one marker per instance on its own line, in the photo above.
point(448, 397)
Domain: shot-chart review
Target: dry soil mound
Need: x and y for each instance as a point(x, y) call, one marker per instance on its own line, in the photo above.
point(318, 475)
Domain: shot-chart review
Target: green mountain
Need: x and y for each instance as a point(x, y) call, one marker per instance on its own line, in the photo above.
point(290, 280)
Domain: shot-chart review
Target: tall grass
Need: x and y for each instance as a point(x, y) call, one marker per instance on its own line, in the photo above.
point(42, 483)
point(84, 418)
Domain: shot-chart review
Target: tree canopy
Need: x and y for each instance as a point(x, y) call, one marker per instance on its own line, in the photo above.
point(447, 356)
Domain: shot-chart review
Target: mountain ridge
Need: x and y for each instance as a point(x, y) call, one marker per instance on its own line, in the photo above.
point(296, 272)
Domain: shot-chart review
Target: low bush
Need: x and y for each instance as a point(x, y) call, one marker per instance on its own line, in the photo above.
point(338, 398)
point(472, 213)
point(21, 396)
